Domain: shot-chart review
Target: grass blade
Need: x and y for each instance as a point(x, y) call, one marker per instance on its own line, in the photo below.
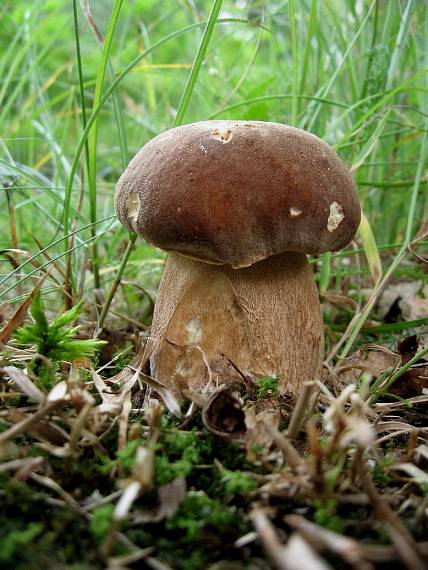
point(93, 137)
point(371, 251)
point(200, 54)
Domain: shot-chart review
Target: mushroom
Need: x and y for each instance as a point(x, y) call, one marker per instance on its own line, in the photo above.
point(238, 204)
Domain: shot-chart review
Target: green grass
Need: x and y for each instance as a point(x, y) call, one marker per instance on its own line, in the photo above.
point(367, 59)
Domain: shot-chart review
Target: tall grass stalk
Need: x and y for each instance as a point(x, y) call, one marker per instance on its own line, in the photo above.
point(359, 318)
point(353, 73)
point(200, 54)
point(185, 99)
point(93, 136)
point(104, 98)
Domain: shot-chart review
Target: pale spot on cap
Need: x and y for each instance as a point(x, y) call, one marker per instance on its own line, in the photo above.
point(132, 207)
point(335, 216)
point(222, 135)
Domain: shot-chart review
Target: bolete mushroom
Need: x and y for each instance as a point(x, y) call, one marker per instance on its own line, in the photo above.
point(238, 204)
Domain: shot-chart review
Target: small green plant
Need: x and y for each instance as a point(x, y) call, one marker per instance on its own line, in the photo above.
point(18, 539)
point(176, 454)
point(238, 482)
point(267, 386)
point(381, 470)
point(199, 510)
point(55, 340)
point(101, 521)
point(325, 515)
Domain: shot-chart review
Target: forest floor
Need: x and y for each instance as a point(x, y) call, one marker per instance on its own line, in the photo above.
point(101, 471)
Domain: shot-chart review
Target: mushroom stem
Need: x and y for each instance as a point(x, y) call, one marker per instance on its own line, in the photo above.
point(265, 319)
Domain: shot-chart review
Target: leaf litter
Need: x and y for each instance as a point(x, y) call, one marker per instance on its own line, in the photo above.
point(336, 479)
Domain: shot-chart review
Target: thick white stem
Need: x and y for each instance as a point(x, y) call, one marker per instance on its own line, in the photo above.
point(265, 319)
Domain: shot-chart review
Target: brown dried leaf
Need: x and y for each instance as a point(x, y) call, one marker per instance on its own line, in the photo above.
point(297, 554)
point(222, 413)
point(167, 396)
point(416, 474)
point(39, 428)
point(407, 348)
point(17, 318)
point(23, 383)
point(112, 400)
point(342, 301)
point(126, 379)
point(170, 497)
point(375, 362)
point(257, 431)
point(411, 383)
point(324, 539)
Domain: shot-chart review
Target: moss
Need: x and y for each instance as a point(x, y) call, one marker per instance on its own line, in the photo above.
point(86, 472)
point(101, 522)
point(17, 539)
point(381, 470)
point(178, 453)
point(204, 522)
point(325, 515)
point(35, 534)
point(238, 482)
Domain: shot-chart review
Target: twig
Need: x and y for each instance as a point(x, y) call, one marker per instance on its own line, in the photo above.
point(406, 546)
point(290, 453)
point(24, 424)
point(322, 538)
point(298, 414)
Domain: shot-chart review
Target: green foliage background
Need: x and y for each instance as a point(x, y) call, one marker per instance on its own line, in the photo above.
point(354, 73)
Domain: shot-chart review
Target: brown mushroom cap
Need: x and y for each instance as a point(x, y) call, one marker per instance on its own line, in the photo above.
point(237, 192)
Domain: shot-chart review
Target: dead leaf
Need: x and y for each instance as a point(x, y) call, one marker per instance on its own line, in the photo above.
point(416, 474)
point(324, 539)
point(59, 392)
point(415, 380)
point(377, 361)
point(39, 428)
point(342, 301)
point(257, 431)
point(24, 383)
point(406, 298)
point(17, 318)
point(167, 396)
point(170, 498)
point(296, 554)
point(412, 383)
point(407, 348)
point(222, 413)
point(113, 394)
